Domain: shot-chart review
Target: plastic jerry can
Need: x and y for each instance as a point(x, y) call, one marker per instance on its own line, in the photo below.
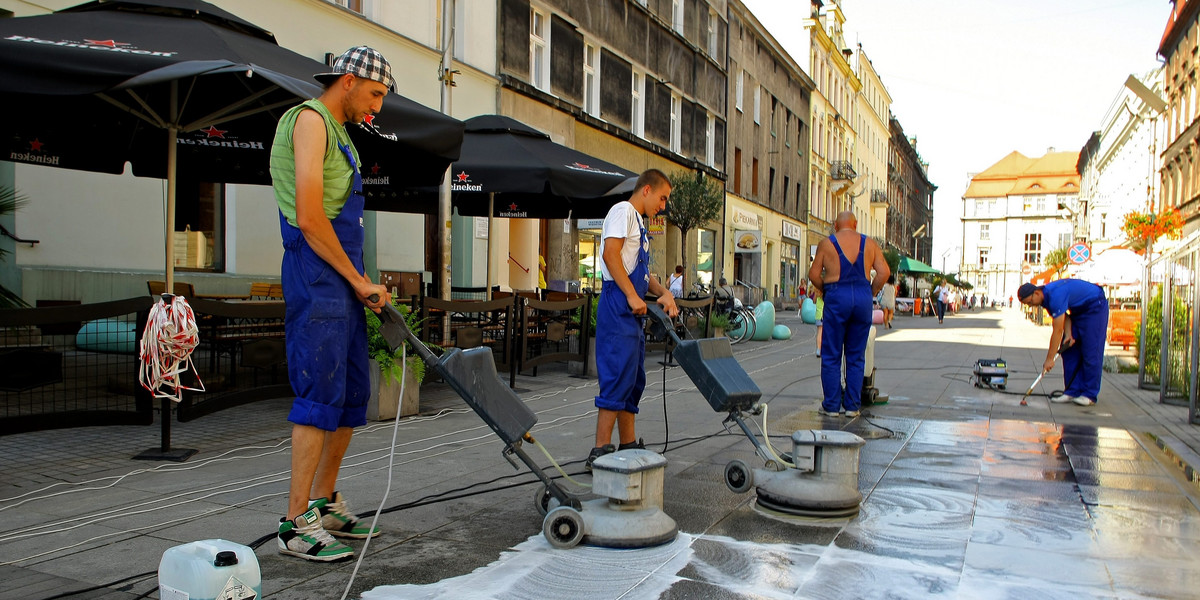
point(209, 570)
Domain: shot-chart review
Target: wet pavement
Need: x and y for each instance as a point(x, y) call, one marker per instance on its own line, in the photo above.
point(966, 493)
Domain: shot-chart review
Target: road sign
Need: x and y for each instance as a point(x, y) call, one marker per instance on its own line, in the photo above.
point(1079, 253)
point(1026, 269)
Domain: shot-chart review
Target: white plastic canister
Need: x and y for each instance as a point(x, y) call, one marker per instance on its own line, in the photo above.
point(209, 570)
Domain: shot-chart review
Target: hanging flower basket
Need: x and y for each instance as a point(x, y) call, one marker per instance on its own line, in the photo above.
point(1143, 229)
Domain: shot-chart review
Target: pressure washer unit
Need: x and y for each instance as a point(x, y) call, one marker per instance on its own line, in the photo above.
point(991, 373)
point(818, 478)
point(629, 516)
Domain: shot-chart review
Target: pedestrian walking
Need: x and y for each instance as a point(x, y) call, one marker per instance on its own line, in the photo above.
point(887, 301)
point(318, 187)
point(675, 282)
point(840, 276)
point(942, 295)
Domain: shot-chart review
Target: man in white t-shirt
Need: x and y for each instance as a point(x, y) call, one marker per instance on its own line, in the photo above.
point(620, 342)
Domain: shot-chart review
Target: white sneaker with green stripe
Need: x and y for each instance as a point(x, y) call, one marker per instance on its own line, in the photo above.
point(339, 520)
point(304, 537)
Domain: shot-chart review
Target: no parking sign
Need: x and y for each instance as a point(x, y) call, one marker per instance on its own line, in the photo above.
point(1079, 253)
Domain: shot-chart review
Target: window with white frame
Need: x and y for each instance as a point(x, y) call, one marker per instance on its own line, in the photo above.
point(637, 93)
point(676, 121)
point(710, 140)
point(740, 91)
point(714, 25)
point(591, 78)
point(539, 49)
point(985, 231)
point(677, 15)
point(1064, 240)
point(1041, 204)
point(983, 257)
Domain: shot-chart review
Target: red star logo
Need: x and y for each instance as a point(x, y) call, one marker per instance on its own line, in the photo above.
point(463, 176)
point(109, 43)
point(213, 132)
point(582, 166)
point(375, 169)
point(512, 206)
point(369, 119)
point(36, 145)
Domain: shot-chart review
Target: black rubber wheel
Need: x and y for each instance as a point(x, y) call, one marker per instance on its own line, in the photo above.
point(563, 527)
point(738, 477)
point(542, 500)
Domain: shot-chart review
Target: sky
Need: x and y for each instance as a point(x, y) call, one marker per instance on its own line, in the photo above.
point(974, 80)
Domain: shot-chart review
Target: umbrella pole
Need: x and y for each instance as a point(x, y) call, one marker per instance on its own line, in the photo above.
point(491, 207)
point(172, 140)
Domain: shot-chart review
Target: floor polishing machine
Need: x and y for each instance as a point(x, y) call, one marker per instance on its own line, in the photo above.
point(818, 478)
point(629, 515)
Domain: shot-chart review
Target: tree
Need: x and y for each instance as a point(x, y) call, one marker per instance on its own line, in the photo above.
point(892, 256)
point(695, 200)
point(10, 201)
point(1057, 259)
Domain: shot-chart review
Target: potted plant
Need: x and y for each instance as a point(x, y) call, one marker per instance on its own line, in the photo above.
point(719, 322)
point(386, 370)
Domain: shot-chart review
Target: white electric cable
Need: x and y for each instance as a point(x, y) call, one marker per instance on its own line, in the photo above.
point(166, 348)
point(391, 462)
point(771, 448)
point(558, 467)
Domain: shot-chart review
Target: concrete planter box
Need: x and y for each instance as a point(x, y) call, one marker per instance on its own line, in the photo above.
point(588, 370)
point(385, 395)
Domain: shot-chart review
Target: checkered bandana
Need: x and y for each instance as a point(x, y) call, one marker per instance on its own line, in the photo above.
point(364, 62)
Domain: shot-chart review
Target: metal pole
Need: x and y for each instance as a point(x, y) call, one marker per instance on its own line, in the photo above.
point(1168, 326)
point(491, 207)
point(172, 142)
point(1195, 345)
point(447, 82)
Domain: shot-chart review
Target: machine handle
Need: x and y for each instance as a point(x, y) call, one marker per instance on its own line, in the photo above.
point(654, 311)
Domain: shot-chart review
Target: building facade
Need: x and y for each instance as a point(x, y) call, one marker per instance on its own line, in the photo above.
point(639, 83)
point(832, 176)
point(1118, 166)
point(1180, 169)
point(767, 153)
point(874, 137)
point(1012, 219)
point(909, 198)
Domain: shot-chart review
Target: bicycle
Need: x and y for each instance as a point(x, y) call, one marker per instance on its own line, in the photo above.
point(742, 322)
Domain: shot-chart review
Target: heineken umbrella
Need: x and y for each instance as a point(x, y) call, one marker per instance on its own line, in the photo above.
point(912, 265)
point(177, 88)
point(517, 170)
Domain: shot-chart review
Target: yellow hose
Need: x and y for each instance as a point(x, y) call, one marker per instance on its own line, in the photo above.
point(555, 463)
point(767, 437)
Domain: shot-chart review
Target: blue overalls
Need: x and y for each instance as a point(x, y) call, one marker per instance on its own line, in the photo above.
point(847, 323)
point(620, 342)
point(325, 326)
point(1083, 362)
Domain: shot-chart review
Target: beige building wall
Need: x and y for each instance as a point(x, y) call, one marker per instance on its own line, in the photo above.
point(874, 107)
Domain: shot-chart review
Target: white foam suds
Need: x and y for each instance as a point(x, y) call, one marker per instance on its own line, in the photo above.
point(534, 570)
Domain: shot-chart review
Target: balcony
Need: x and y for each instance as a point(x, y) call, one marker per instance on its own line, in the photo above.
point(878, 198)
point(842, 170)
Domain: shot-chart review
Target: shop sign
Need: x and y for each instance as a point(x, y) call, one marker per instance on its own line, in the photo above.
point(656, 226)
point(745, 220)
point(792, 231)
point(747, 240)
point(591, 223)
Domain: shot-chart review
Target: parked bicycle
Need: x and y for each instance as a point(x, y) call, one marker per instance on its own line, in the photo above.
point(742, 322)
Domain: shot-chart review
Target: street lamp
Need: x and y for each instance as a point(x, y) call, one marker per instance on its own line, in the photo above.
point(916, 235)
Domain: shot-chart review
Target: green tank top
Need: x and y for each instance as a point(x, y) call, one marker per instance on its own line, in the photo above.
point(338, 176)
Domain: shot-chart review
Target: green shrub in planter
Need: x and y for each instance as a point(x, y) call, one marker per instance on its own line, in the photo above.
point(377, 346)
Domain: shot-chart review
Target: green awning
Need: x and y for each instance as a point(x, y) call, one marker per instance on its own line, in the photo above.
point(912, 265)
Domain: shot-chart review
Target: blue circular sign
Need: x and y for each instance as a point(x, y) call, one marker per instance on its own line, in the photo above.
point(1079, 253)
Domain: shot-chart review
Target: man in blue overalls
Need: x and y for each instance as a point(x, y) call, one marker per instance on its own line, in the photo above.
point(315, 173)
point(1079, 313)
point(840, 273)
point(620, 341)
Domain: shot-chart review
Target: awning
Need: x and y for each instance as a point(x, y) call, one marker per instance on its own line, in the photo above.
point(1044, 277)
point(912, 265)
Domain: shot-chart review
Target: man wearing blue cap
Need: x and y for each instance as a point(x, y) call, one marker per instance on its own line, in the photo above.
point(318, 186)
point(1079, 311)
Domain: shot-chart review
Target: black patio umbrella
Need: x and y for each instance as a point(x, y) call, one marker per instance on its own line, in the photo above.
point(178, 87)
point(529, 175)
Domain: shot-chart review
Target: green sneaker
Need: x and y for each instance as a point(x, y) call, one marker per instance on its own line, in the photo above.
point(339, 520)
point(304, 537)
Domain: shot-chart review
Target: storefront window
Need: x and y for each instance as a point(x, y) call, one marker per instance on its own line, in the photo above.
point(589, 259)
point(705, 244)
point(789, 271)
point(200, 226)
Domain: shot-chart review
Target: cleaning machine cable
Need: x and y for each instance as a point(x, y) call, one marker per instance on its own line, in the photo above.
point(166, 348)
point(391, 462)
